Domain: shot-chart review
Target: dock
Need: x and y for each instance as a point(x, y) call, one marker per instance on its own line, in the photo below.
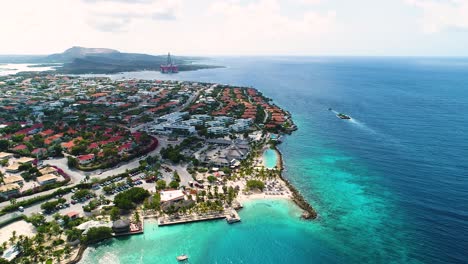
point(163, 221)
point(230, 215)
point(233, 217)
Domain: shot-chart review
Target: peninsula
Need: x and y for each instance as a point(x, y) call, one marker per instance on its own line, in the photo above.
point(81, 60)
point(86, 159)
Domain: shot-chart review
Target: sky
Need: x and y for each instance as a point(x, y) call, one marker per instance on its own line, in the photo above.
point(238, 27)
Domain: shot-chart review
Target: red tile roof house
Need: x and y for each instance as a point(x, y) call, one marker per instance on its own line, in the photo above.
point(93, 145)
point(31, 130)
point(20, 147)
point(73, 214)
point(47, 133)
point(39, 152)
point(125, 148)
point(85, 159)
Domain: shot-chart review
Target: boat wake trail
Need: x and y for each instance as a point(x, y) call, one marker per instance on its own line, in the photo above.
point(379, 135)
point(362, 126)
point(357, 123)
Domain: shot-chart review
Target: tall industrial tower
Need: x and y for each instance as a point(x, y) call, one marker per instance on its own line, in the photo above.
point(169, 67)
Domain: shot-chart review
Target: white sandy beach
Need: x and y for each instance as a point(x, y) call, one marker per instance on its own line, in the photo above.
point(21, 227)
point(243, 197)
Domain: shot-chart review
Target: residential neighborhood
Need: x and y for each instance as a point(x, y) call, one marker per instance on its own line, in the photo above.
point(87, 149)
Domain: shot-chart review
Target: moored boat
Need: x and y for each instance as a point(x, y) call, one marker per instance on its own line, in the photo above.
point(182, 257)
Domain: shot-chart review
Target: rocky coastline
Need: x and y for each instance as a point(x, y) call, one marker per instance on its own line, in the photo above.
point(309, 212)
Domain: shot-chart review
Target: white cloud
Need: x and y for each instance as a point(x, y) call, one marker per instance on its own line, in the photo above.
point(262, 24)
point(309, 2)
point(117, 15)
point(442, 15)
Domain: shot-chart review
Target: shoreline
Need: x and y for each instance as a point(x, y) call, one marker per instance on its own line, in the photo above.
point(296, 197)
point(309, 213)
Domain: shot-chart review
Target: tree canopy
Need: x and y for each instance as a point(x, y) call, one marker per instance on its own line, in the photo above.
point(255, 184)
point(96, 234)
point(126, 200)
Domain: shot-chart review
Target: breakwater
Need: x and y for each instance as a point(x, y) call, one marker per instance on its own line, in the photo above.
point(297, 198)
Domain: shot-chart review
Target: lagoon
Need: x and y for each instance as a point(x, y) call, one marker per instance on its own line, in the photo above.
point(271, 225)
point(270, 158)
point(13, 68)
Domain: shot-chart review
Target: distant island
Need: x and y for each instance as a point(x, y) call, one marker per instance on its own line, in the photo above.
point(81, 60)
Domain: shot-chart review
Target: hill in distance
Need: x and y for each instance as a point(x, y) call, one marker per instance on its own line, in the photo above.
point(81, 60)
point(78, 52)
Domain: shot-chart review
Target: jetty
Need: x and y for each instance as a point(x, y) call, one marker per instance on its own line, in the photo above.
point(230, 215)
point(233, 217)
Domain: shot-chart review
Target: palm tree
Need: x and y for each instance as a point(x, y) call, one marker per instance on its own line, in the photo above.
point(39, 239)
point(67, 250)
point(58, 255)
point(13, 238)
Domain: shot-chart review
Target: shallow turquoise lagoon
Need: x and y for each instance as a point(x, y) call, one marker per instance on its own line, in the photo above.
point(271, 225)
point(270, 158)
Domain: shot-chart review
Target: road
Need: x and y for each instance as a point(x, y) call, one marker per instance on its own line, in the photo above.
point(185, 177)
point(77, 176)
point(78, 207)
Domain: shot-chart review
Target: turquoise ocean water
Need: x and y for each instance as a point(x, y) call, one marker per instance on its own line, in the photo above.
point(390, 185)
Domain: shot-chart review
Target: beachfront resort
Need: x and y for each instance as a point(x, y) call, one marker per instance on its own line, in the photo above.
point(86, 159)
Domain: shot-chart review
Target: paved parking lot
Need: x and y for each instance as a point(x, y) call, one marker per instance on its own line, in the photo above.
point(78, 207)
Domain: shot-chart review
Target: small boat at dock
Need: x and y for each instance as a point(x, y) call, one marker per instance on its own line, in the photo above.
point(182, 257)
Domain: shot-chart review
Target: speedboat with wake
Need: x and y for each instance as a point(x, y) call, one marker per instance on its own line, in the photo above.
point(343, 116)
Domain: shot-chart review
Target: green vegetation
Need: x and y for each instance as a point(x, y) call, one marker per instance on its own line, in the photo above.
point(96, 234)
point(174, 185)
point(37, 199)
point(52, 205)
point(260, 116)
point(4, 144)
point(173, 154)
point(126, 200)
point(80, 194)
point(153, 203)
point(73, 234)
point(161, 185)
point(114, 213)
point(211, 179)
point(72, 162)
point(255, 184)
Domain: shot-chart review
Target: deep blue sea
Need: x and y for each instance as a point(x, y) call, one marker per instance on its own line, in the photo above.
point(390, 185)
